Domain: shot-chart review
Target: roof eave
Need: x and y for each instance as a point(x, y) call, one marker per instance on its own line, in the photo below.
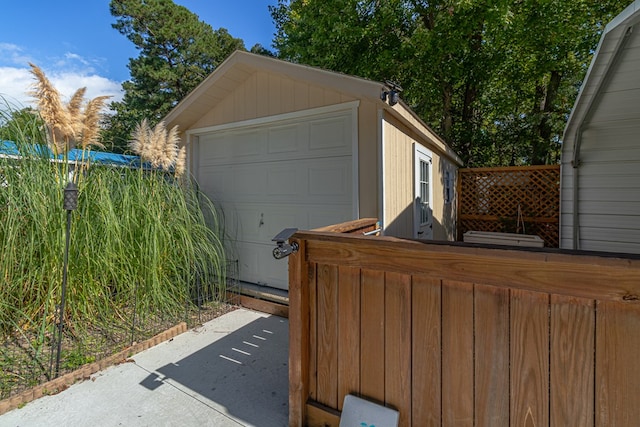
point(613, 35)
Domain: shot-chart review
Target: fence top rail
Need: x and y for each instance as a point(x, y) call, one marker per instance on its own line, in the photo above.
point(355, 226)
point(614, 277)
point(510, 168)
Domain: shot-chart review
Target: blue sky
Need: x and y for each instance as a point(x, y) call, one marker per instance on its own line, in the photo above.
point(73, 42)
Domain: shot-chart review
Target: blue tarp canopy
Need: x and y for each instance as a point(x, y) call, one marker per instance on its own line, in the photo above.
point(8, 148)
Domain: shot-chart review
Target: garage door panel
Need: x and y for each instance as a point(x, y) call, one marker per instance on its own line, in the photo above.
point(249, 182)
point(285, 139)
point(257, 265)
point(249, 222)
point(259, 223)
point(248, 258)
point(331, 134)
point(214, 149)
point(279, 175)
point(334, 180)
point(308, 181)
point(217, 180)
point(282, 181)
point(327, 137)
point(322, 216)
point(228, 218)
point(247, 145)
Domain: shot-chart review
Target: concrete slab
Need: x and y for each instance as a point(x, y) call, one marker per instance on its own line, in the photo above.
point(232, 371)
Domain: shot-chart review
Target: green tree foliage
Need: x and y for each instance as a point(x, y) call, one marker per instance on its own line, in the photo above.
point(496, 79)
point(177, 51)
point(20, 124)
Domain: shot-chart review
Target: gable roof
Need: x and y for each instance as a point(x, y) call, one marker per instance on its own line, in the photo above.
point(240, 65)
point(618, 34)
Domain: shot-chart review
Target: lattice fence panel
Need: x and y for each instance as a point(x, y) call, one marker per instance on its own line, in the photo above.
point(512, 200)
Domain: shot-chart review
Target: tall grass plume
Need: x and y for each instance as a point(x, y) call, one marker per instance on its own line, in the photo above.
point(67, 125)
point(159, 146)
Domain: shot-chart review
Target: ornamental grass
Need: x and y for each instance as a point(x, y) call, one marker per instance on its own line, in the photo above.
point(138, 239)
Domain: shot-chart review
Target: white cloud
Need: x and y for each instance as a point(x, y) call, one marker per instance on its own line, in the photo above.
point(13, 54)
point(68, 82)
point(15, 84)
point(75, 57)
point(68, 72)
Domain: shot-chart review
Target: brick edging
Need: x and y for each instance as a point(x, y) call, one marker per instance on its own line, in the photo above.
point(61, 383)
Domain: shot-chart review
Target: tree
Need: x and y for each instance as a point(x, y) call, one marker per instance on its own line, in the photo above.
point(497, 79)
point(363, 38)
point(535, 88)
point(258, 49)
point(177, 51)
point(21, 125)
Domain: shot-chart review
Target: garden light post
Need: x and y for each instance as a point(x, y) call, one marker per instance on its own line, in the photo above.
point(70, 203)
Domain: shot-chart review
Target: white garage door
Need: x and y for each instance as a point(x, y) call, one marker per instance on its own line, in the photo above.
point(282, 174)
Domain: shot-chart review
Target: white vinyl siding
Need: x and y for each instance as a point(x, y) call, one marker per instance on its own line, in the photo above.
point(608, 196)
point(609, 190)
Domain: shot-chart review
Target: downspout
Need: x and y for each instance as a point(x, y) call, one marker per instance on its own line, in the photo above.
point(576, 162)
point(576, 176)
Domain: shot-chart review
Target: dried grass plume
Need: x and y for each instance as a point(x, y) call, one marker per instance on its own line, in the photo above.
point(67, 125)
point(181, 161)
point(55, 115)
point(158, 146)
point(91, 122)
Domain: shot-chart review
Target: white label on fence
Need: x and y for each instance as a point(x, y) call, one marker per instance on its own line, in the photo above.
point(358, 412)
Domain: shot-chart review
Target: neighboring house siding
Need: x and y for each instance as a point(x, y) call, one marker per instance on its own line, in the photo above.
point(609, 189)
point(605, 123)
point(566, 203)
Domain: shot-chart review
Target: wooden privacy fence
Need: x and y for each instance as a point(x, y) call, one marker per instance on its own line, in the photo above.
point(450, 334)
point(513, 199)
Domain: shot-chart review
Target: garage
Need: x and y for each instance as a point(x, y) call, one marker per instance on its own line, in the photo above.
point(267, 175)
point(280, 145)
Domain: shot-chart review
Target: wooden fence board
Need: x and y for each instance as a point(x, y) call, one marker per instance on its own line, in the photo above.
point(327, 335)
point(454, 335)
point(372, 349)
point(398, 345)
point(321, 416)
point(562, 273)
point(426, 362)
point(298, 337)
point(313, 330)
point(348, 332)
point(617, 365)
point(491, 311)
point(457, 354)
point(529, 359)
point(572, 361)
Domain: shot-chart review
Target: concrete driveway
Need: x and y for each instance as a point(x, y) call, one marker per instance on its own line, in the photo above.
point(232, 371)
